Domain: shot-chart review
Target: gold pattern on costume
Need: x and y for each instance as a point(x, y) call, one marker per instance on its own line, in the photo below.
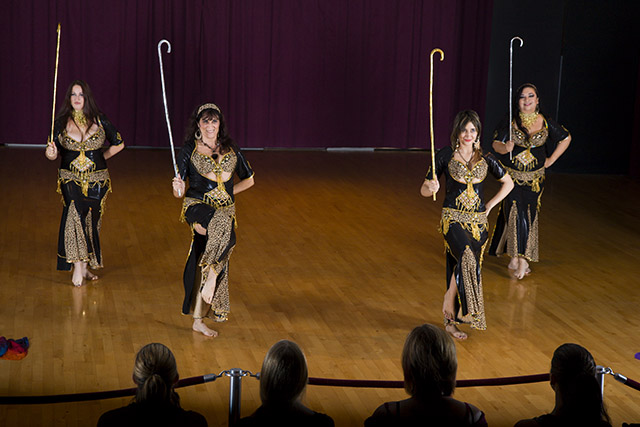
point(533, 179)
point(525, 160)
point(474, 222)
point(187, 202)
point(82, 166)
point(512, 231)
point(94, 142)
point(537, 139)
point(205, 164)
point(218, 234)
point(473, 290)
point(75, 242)
point(85, 180)
point(532, 250)
point(218, 197)
point(468, 200)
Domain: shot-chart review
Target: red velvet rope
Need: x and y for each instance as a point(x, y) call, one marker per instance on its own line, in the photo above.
point(82, 397)
point(460, 383)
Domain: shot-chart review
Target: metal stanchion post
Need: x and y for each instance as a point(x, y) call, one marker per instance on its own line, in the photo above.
point(235, 388)
point(601, 371)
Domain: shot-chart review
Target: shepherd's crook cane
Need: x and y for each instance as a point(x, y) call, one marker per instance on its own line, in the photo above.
point(166, 110)
point(55, 85)
point(511, 90)
point(433, 151)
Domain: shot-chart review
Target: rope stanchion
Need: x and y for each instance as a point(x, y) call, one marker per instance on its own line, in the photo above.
point(99, 395)
point(236, 374)
point(622, 379)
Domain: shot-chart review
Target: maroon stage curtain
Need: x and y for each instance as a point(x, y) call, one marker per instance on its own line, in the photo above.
point(286, 73)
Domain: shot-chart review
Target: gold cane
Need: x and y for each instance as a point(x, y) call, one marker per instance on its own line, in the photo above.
point(55, 85)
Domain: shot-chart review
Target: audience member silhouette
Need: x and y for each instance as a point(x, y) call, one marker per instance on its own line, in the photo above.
point(429, 364)
point(578, 396)
point(156, 403)
point(283, 380)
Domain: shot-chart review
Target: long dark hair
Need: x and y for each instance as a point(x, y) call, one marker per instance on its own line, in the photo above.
point(574, 372)
point(155, 373)
point(225, 141)
point(459, 123)
point(516, 106)
point(90, 108)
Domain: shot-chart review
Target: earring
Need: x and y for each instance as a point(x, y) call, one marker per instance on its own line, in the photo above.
point(537, 108)
point(198, 134)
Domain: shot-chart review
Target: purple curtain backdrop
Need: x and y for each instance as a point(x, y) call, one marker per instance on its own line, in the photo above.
point(286, 73)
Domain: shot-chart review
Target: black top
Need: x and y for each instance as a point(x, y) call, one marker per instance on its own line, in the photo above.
point(457, 174)
point(541, 144)
point(199, 185)
point(286, 417)
point(70, 148)
point(140, 414)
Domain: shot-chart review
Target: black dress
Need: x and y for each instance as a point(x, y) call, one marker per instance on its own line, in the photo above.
point(464, 226)
point(84, 182)
point(516, 231)
point(212, 205)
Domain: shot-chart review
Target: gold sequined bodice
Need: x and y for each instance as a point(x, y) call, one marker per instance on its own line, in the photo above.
point(94, 142)
point(205, 164)
point(461, 173)
point(537, 139)
point(468, 200)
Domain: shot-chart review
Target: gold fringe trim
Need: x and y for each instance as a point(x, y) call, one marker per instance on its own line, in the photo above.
point(473, 222)
point(532, 179)
point(84, 180)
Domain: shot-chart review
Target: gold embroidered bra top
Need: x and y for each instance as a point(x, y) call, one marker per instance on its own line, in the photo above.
point(461, 173)
point(537, 139)
point(205, 164)
point(94, 142)
point(468, 200)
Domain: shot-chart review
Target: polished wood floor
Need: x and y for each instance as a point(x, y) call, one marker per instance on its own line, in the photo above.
point(336, 251)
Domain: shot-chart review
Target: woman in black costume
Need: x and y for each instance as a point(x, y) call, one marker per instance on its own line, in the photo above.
point(79, 136)
point(464, 219)
point(208, 159)
point(538, 141)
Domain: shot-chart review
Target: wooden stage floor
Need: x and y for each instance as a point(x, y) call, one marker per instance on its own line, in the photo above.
point(336, 251)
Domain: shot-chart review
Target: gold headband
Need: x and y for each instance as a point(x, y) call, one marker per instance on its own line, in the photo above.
point(207, 107)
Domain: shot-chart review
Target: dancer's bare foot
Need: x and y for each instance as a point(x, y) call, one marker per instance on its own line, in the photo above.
point(89, 275)
point(513, 264)
point(77, 276)
point(523, 269)
point(199, 326)
point(455, 332)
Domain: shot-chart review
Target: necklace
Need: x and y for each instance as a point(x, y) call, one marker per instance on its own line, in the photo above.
point(79, 118)
point(528, 119)
point(208, 146)
point(468, 162)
